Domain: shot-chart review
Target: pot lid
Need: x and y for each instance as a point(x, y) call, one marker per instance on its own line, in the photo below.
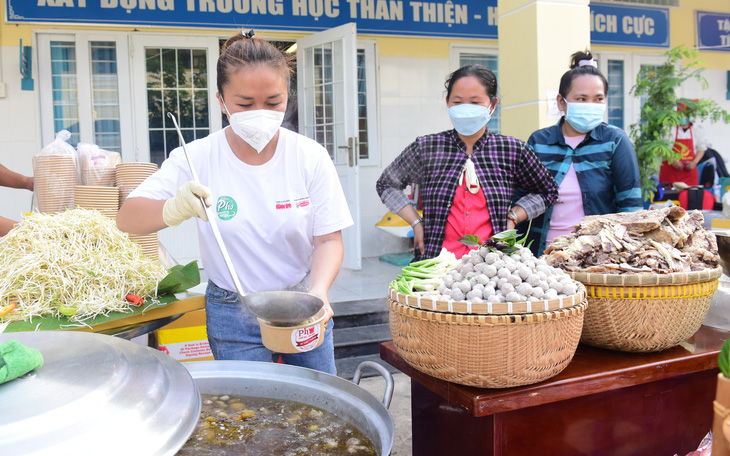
point(97, 394)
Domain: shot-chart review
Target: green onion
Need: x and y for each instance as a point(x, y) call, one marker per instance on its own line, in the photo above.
point(425, 276)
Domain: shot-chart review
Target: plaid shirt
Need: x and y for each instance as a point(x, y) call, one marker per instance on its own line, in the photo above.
point(435, 162)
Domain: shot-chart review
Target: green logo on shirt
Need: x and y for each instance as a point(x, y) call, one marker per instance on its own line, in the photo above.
point(226, 207)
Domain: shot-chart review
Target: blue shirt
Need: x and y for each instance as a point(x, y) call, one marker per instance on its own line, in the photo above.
point(607, 170)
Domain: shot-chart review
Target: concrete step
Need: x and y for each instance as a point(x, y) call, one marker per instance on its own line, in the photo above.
point(349, 314)
point(346, 366)
point(361, 340)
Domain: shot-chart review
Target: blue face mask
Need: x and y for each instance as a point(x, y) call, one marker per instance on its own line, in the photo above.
point(584, 117)
point(469, 118)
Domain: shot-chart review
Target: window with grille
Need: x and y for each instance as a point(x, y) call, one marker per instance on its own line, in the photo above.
point(177, 82)
point(69, 75)
point(615, 78)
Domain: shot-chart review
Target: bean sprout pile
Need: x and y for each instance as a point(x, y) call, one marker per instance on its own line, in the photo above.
point(74, 263)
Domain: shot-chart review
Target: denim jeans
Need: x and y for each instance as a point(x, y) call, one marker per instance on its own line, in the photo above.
point(234, 334)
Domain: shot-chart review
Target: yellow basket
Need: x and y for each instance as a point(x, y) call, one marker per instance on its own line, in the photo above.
point(487, 351)
point(645, 312)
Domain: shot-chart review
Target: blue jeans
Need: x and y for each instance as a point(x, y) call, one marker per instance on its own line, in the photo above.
point(234, 334)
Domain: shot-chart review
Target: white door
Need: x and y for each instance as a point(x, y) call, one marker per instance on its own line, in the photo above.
point(173, 74)
point(83, 82)
point(327, 96)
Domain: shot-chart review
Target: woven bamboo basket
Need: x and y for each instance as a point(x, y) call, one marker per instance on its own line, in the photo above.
point(487, 351)
point(645, 312)
point(491, 308)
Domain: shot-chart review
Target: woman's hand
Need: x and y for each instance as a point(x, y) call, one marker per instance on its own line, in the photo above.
point(677, 165)
point(328, 312)
point(418, 239)
point(517, 212)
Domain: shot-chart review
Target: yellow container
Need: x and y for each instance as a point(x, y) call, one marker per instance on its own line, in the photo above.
point(186, 339)
point(297, 338)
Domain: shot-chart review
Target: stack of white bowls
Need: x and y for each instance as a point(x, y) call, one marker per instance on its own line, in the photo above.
point(103, 199)
point(55, 178)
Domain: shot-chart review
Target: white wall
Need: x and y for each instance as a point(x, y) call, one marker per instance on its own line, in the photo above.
point(718, 134)
point(411, 104)
point(19, 132)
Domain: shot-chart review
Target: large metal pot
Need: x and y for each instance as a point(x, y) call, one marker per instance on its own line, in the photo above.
point(96, 394)
point(279, 381)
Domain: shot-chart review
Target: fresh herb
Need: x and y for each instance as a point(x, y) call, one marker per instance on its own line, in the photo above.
point(723, 360)
point(505, 241)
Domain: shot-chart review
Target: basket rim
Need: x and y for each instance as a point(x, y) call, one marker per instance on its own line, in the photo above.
point(488, 308)
point(646, 279)
point(484, 320)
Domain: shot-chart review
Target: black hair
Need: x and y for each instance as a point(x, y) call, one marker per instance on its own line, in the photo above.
point(482, 73)
point(577, 70)
point(244, 49)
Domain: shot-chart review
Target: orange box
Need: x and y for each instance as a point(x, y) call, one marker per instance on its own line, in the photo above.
point(185, 339)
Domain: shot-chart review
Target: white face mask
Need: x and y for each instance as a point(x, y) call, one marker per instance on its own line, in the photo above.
point(256, 127)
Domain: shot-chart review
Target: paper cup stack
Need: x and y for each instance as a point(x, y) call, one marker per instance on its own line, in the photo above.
point(103, 199)
point(98, 176)
point(148, 242)
point(130, 175)
point(55, 178)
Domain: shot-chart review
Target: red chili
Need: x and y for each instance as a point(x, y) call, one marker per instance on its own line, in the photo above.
point(135, 300)
point(7, 309)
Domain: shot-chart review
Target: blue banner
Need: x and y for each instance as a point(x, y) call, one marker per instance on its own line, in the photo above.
point(444, 18)
point(713, 31)
point(629, 25)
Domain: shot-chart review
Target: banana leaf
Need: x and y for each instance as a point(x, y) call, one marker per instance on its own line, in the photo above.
point(179, 279)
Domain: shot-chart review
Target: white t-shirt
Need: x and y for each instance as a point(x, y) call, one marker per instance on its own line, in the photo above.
point(267, 214)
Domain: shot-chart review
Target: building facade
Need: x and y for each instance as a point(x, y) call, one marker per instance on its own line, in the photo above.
point(369, 76)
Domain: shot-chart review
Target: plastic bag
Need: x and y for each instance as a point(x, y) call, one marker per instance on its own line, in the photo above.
point(705, 447)
point(56, 174)
point(97, 165)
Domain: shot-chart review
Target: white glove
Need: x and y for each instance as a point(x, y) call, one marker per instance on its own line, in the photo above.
point(186, 204)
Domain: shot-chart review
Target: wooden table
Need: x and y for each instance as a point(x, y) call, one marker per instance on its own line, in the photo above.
point(604, 403)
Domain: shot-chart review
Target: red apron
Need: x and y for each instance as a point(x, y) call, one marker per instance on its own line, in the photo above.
point(668, 173)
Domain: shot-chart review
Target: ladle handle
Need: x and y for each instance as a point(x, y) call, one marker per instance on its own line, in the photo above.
point(210, 214)
point(388, 393)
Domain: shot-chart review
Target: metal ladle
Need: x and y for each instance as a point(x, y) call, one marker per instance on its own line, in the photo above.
point(273, 306)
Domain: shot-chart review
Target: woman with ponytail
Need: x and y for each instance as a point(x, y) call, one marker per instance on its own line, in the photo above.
point(593, 163)
point(278, 201)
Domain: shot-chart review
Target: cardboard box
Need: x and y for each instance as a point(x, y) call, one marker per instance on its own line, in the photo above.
point(185, 339)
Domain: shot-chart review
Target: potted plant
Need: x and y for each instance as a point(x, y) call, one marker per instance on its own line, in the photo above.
point(721, 422)
point(652, 135)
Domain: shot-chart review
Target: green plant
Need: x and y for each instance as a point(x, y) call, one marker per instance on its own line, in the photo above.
point(723, 360)
point(652, 134)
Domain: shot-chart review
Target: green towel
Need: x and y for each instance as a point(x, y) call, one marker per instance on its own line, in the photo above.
point(16, 359)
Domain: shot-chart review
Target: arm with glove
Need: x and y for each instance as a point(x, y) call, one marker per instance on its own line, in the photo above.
point(145, 215)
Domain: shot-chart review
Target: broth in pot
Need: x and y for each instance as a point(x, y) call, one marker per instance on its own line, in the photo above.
point(239, 425)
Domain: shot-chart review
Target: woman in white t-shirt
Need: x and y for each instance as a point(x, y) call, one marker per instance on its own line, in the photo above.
point(276, 194)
